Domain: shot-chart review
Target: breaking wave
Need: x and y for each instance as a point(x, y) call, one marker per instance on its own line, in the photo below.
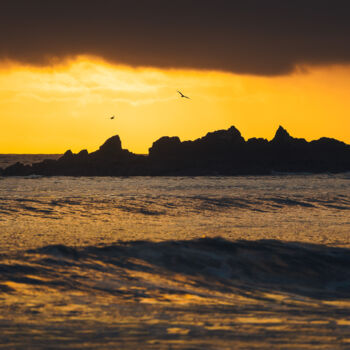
point(198, 266)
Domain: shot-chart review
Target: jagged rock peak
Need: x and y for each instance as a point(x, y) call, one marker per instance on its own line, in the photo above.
point(282, 135)
point(230, 134)
point(112, 145)
point(67, 155)
point(165, 145)
point(83, 152)
point(168, 139)
point(234, 131)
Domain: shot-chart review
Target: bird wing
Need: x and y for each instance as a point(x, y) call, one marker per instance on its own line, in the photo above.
point(182, 95)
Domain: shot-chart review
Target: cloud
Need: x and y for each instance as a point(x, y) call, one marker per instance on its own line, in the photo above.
point(261, 37)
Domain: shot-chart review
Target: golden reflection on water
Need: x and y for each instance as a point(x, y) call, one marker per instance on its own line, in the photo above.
point(145, 313)
point(89, 211)
point(95, 291)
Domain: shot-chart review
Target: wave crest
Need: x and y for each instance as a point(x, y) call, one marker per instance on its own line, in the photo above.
point(209, 263)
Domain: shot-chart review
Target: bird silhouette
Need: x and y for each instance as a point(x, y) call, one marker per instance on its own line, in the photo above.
point(112, 117)
point(182, 95)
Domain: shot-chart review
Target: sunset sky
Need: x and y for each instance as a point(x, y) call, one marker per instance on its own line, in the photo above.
point(66, 67)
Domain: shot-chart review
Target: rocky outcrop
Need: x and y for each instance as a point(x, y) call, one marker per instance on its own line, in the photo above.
point(165, 147)
point(222, 152)
point(17, 169)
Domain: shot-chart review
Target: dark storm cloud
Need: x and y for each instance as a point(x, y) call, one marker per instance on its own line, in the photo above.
point(251, 36)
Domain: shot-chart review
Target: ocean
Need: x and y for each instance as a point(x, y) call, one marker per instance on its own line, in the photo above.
point(175, 262)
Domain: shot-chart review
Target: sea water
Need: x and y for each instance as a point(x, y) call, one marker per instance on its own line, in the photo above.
point(175, 262)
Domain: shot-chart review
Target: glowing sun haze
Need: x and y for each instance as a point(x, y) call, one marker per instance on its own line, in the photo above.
point(49, 109)
point(67, 66)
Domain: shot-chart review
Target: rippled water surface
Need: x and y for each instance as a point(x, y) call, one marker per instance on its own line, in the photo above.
point(175, 263)
point(76, 211)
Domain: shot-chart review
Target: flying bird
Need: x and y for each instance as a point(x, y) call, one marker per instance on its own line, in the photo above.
point(112, 117)
point(182, 95)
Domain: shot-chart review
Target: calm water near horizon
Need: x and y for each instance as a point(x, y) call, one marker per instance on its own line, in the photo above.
point(175, 262)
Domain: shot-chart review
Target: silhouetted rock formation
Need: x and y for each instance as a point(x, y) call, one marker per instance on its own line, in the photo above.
point(222, 152)
point(208, 154)
point(17, 169)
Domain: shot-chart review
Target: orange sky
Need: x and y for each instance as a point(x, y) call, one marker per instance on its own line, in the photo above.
point(51, 109)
